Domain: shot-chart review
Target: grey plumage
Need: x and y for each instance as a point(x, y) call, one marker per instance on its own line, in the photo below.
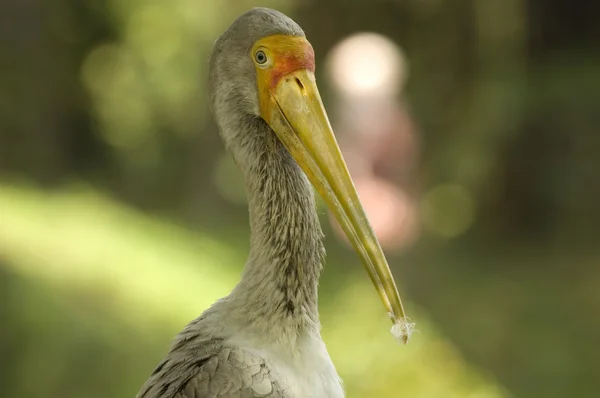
point(250, 342)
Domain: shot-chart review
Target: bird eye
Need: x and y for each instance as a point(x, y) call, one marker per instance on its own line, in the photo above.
point(260, 57)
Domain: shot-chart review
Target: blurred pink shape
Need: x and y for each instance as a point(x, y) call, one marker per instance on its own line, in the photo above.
point(393, 215)
point(377, 136)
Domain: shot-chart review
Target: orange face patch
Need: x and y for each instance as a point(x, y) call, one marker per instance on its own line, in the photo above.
point(288, 62)
point(286, 54)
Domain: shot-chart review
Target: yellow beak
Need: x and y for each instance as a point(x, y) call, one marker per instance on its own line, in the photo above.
point(296, 114)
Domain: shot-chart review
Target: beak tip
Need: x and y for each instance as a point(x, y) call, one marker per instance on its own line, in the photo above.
point(402, 329)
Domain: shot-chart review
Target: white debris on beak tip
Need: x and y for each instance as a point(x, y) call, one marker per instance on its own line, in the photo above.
point(402, 329)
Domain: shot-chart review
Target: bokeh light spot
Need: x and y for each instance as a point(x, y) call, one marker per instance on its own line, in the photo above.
point(448, 210)
point(367, 64)
point(155, 31)
point(98, 67)
point(109, 73)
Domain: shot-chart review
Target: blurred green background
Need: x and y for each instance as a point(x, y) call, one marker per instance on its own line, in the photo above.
point(121, 217)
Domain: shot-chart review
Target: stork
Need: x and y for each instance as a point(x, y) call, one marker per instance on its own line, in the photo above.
point(263, 339)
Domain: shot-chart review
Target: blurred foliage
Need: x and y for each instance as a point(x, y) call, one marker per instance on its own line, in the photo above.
point(112, 94)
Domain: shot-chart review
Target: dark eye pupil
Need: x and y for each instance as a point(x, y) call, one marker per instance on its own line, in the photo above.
point(261, 58)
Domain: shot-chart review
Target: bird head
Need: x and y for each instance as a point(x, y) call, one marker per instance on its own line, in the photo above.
point(262, 75)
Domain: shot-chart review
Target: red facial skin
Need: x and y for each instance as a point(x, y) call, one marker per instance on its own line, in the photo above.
point(291, 59)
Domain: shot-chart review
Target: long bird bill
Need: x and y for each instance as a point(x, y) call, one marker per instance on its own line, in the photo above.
point(292, 106)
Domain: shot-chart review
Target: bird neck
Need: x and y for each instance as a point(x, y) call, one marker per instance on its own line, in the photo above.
point(279, 283)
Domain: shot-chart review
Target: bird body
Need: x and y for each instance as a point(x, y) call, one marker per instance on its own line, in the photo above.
point(263, 339)
point(243, 365)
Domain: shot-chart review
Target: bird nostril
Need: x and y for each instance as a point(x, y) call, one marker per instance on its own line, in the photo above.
point(299, 83)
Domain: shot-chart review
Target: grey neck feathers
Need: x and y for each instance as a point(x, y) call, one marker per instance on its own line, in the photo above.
point(279, 283)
